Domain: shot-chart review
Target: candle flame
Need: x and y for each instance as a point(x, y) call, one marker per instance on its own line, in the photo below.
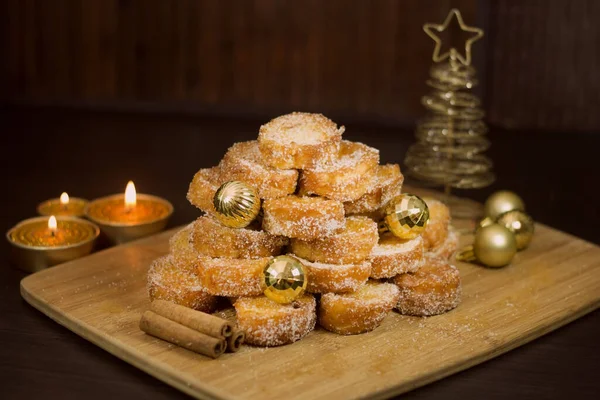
point(130, 195)
point(64, 198)
point(52, 223)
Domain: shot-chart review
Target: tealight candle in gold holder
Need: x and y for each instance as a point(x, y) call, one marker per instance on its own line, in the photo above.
point(65, 205)
point(41, 242)
point(127, 217)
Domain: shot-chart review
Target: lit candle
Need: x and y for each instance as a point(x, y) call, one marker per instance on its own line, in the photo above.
point(130, 196)
point(40, 242)
point(129, 216)
point(64, 205)
point(52, 225)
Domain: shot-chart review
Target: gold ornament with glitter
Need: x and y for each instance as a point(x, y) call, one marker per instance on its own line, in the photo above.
point(285, 279)
point(237, 204)
point(520, 224)
point(494, 246)
point(406, 216)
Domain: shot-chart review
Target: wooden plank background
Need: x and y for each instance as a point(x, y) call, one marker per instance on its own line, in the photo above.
point(365, 60)
point(545, 64)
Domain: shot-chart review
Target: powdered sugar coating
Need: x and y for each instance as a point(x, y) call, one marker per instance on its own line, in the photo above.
point(203, 187)
point(393, 256)
point(300, 128)
point(352, 244)
point(169, 281)
point(436, 231)
point(433, 289)
point(244, 162)
point(335, 278)
point(268, 323)
point(212, 239)
point(182, 250)
point(384, 186)
point(298, 140)
point(231, 276)
point(360, 311)
point(346, 177)
point(447, 249)
point(303, 217)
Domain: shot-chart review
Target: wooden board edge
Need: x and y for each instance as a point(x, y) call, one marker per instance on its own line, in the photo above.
point(469, 363)
point(169, 376)
point(130, 356)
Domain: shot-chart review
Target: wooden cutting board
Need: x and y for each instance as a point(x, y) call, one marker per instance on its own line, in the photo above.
point(101, 298)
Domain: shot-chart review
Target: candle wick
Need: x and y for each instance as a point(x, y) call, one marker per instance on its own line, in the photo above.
point(52, 232)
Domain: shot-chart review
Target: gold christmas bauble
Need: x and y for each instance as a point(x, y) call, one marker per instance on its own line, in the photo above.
point(485, 222)
point(406, 216)
point(520, 224)
point(501, 202)
point(237, 204)
point(285, 279)
point(494, 246)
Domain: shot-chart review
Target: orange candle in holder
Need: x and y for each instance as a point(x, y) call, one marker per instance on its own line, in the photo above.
point(64, 205)
point(129, 216)
point(41, 242)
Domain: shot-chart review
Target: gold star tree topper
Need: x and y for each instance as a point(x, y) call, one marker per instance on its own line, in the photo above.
point(432, 30)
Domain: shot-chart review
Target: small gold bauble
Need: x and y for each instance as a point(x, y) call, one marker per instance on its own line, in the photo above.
point(237, 204)
point(520, 224)
point(501, 202)
point(406, 216)
point(285, 278)
point(494, 245)
point(484, 222)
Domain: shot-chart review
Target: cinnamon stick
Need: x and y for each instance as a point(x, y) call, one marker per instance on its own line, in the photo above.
point(173, 332)
point(234, 342)
point(196, 320)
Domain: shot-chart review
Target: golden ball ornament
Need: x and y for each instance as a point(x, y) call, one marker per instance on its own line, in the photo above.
point(502, 201)
point(406, 216)
point(285, 278)
point(520, 224)
point(237, 204)
point(494, 246)
point(485, 222)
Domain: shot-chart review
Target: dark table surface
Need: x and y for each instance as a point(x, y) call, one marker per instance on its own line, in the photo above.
point(91, 154)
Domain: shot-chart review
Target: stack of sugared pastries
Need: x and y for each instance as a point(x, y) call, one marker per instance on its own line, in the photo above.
point(321, 199)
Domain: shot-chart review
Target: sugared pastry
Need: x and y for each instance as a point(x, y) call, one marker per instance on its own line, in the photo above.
point(393, 256)
point(212, 239)
point(352, 244)
point(433, 289)
point(436, 231)
point(299, 140)
point(232, 277)
point(268, 323)
point(304, 218)
point(300, 217)
point(203, 187)
point(447, 249)
point(359, 311)
point(182, 250)
point(335, 278)
point(346, 177)
point(244, 162)
point(169, 281)
point(384, 186)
